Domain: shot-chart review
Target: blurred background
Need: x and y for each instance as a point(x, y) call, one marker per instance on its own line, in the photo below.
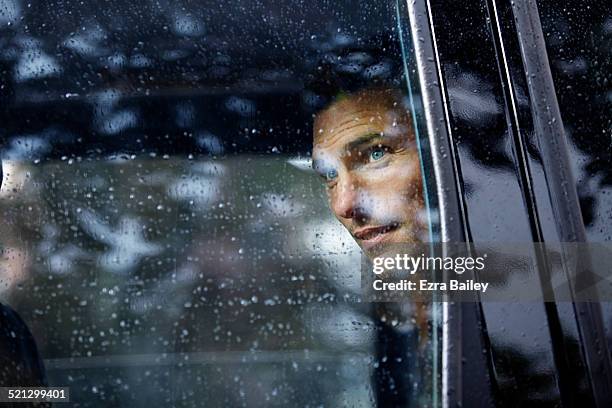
point(161, 232)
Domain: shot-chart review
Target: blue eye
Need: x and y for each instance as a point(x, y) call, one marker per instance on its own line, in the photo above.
point(331, 174)
point(377, 153)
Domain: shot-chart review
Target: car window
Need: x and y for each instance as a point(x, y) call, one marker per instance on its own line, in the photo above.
point(165, 233)
point(578, 38)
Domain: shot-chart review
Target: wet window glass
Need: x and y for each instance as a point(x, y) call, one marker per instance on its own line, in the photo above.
point(189, 187)
point(579, 38)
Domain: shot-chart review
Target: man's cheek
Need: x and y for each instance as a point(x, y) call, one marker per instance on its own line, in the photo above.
point(390, 181)
point(329, 197)
point(386, 205)
point(405, 179)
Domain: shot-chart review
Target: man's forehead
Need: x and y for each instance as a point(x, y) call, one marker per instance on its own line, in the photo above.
point(366, 102)
point(342, 137)
point(356, 115)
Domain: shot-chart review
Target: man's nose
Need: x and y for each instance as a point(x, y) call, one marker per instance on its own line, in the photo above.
point(346, 202)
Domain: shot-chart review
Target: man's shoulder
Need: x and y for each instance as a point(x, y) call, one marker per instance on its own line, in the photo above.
point(20, 363)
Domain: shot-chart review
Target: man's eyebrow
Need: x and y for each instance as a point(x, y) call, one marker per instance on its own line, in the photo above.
point(363, 140)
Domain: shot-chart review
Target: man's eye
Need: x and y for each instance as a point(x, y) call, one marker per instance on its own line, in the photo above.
point(377, 153)
point(331, 174)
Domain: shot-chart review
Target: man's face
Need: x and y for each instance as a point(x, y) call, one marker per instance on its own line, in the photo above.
point(364, 148)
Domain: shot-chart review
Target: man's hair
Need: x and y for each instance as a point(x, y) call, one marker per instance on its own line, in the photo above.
point(392, 98)
point(346, 71)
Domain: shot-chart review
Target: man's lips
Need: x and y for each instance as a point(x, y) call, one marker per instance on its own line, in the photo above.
point(373, 235)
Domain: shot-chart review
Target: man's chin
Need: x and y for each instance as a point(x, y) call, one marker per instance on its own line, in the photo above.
point(374, 252)
point(388, 249)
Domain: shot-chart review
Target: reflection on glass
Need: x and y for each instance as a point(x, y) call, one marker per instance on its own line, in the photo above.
point(163, 232)
point(364, 148)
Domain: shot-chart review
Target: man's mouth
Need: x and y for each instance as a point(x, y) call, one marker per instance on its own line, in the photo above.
point(371, 236)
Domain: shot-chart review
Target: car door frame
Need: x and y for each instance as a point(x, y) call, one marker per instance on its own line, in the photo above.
point(462, 319)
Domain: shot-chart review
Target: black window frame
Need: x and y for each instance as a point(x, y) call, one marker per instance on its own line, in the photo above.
point(515, 28)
